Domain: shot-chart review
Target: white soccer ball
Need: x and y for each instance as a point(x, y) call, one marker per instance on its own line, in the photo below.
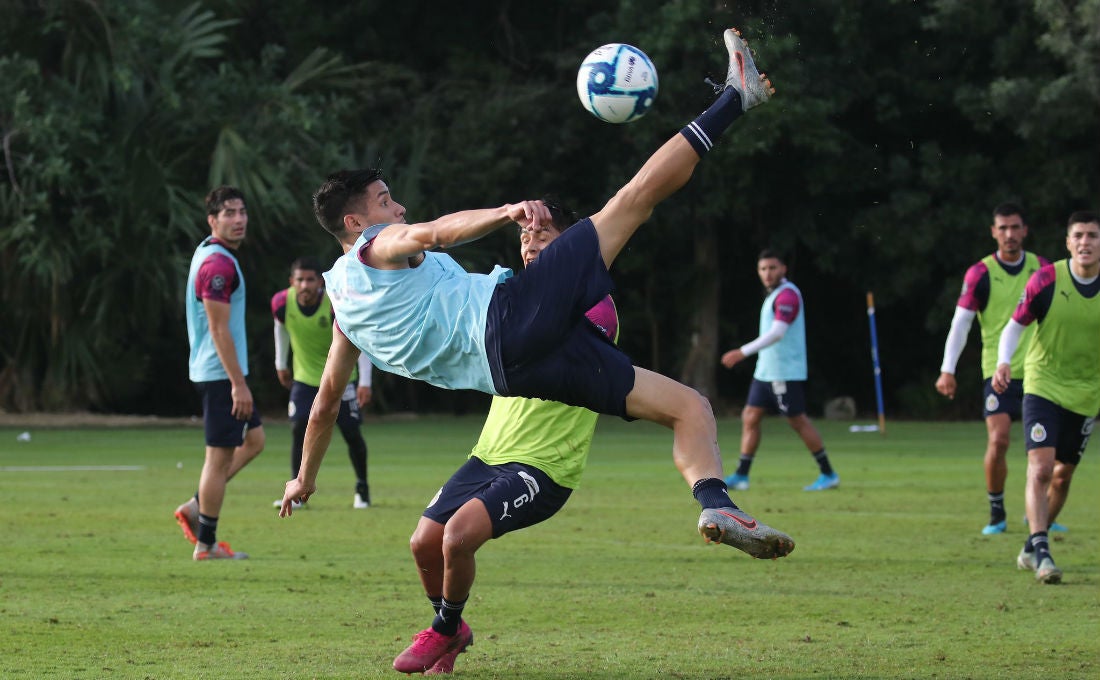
point(617, 83)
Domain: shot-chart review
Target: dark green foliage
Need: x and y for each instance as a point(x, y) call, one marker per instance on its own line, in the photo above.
point(897, 127)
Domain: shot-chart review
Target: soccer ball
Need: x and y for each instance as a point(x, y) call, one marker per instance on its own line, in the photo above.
point(617, 83)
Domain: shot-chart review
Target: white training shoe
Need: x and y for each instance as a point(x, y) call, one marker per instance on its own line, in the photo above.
point(753, 86)
point(360, 503)
point(1047, 572)
point(1026, 560)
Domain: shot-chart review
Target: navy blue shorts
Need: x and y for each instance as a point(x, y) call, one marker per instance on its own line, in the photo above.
point(303, 395)
point(222, 429)
point(516, 495)
point(787, 397)
point(1010, 402)
point(1047, 424)
point(539, 342)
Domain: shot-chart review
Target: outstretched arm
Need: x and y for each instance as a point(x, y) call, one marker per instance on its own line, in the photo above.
point(342, 356)
point(398, 242)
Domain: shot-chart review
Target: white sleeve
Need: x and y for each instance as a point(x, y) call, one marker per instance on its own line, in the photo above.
point(956, 338)
point(365, 368)
point(774, 335)
point(282, 346)
point(1010, 340)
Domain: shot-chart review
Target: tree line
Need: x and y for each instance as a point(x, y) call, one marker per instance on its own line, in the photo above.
point(897, 127)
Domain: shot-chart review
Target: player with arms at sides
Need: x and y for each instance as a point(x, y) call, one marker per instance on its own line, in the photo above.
point(303, 325)
point(526, 463)
point(992, 288)
point(779, 381)
point(1061, 380)
point(417, 313)
point(218, 366)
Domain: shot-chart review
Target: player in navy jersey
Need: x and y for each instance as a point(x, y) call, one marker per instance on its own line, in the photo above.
point(779, 381)
point(992, 287)
point(1061, 383)
point(218, 366)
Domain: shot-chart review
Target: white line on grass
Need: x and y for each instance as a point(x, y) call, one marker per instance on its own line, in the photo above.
point(71, 468)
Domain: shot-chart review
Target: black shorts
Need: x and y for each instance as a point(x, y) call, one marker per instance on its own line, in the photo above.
point(302, 397)
point(223, 430)
point(787, 397)
point(516, 495)
point(1047, 424)
point(538, 340)
point(1010, 402)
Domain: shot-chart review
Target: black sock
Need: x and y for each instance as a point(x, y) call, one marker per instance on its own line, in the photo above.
point(449, 617)
point(363, 490)
point(822, 459)
point(743, 464)
point(702, 133)
point(996, 507)
point(711, 493)
point(1042, 546)
point(208, 529)
point(437, 602)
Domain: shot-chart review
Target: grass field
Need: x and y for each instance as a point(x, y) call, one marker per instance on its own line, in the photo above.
point(890, 577)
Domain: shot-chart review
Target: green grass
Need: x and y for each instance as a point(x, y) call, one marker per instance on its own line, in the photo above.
point(890, 577)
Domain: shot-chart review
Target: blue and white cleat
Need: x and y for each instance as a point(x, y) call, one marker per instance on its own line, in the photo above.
point(995, 528)
point(824, 482)
point(737, 482)
point(752, 85)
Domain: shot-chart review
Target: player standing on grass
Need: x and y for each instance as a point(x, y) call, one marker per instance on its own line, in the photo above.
point(417, 313)
point(779, 381)
point(991, 289)
point(218, 365)
point(1061, 380)
point(526, 463)
point(303, 325)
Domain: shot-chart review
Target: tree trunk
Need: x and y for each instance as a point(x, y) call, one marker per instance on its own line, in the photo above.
point(701, 360)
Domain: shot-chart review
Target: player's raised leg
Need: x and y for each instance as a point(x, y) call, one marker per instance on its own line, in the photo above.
point(672, 165)
point(695, 451)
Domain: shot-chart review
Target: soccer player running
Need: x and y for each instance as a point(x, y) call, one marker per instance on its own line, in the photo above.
point(1061, 380)
point(526, 463)
point(303, 325)
point(779, 381)
point(218, 366)
point(992, 287)
point(417, 313)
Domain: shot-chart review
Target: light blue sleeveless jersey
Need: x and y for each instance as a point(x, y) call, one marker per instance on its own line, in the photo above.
point(426, 323)
point(204, 364)
point(786, 359)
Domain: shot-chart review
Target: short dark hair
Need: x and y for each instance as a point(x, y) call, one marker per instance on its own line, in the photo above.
point(306, 263)
point(1008, 209)
point(771, 254)
point(330, 202)
point(1082, 217)
point(216, 199)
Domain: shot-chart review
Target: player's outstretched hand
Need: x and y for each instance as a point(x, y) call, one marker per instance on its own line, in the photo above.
point(295, 491)
point(529, 214)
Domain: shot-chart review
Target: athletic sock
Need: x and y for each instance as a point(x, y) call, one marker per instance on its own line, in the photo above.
point(1042, 546)
point(711, 493)
point(363, 490)
point(996, 507)
point(1028, 547)
point(744, 464)
point(449, 617)
point(437, 602)
point(822, 459)
point(703, 132)
point(208, 530)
